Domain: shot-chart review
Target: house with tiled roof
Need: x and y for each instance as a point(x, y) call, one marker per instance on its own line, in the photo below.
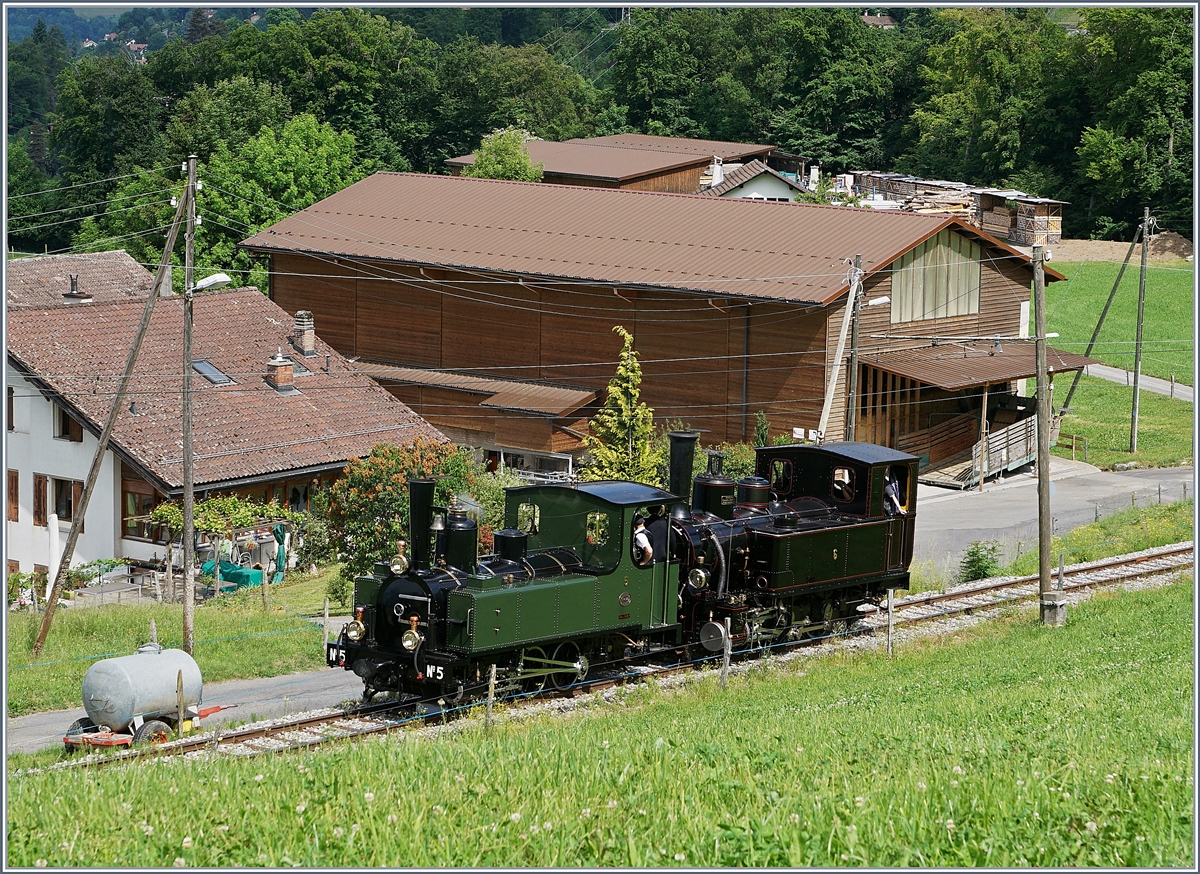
point(276, 411)
point(736, 306)
point(58, 280)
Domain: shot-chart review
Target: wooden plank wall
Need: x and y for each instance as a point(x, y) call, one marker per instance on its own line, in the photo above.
point(685, 181)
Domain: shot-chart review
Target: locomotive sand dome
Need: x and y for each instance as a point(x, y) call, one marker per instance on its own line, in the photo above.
point(120, 692)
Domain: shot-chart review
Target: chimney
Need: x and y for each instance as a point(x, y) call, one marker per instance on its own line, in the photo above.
point(304, 337)
point(718, 172)
point(279, 373)
point(75, 295)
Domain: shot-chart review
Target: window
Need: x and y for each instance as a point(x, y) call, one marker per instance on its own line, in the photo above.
point(40, 516)
point(210, 372)
point(14, 497)
point(937, 279)
point(781, 476)
point(529, 518)
point(597, 528)
point(67, 495)
point(843, 485)
point(65, 427)
point(138, 499)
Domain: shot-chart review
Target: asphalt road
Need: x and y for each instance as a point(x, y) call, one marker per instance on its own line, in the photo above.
point(947, 522)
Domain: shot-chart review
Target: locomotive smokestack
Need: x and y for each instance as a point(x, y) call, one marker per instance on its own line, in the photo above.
point(683, 451)
point(420, 509)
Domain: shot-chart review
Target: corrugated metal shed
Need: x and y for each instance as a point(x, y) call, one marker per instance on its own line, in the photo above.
point(526, 397)
point(954, 367)
point(713, 246)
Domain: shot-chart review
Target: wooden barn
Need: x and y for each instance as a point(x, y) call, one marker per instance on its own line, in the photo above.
point(440, 284)
point(634, 161)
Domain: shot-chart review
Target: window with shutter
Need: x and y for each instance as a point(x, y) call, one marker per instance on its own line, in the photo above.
point(39, 499)
point(14, 496)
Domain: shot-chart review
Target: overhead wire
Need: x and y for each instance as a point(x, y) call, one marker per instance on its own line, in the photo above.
point(94, 182)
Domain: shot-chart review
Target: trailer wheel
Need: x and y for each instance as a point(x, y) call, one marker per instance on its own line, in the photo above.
point(152, 733)
point(79, 726)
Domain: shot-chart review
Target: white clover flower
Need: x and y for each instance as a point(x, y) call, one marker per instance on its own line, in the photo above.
point(679, 857)
point(1020, 782)
point(957, 769)
point(368, 797)
point(1066, 795)
point(586, 812)
point(459, 778)
point(187, 843)
point(180, 862)
point(258, 778)
point(606, 744)
point(1090, 826)
point(950, 825)
point(40, 863)
point(612, 804)
point(222, 828)
point(921, 785)
point(174, 790)
point(515, 817)
point(794, 819)
point(338, 831)
point(953, 784)
point(147, 830)
point(548, 826)
point(391, 818)
point(300, 808)
point(859, 801)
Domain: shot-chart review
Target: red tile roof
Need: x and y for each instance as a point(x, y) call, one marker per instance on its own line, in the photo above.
point(42, 281)
point(243, 431)
point(714, 246)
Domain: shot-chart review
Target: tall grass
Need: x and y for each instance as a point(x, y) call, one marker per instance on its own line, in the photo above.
point(1010, 745)
point(234, 639)
point(1130, 530)
point(1073, 308)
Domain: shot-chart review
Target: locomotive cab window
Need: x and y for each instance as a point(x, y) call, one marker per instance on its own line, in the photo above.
point(895, 490)
point(781, 477)
point(842, 487)
point(597, 529)
point(529, 518)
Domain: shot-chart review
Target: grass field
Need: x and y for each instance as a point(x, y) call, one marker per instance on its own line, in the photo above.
point(1102, 413)
point(305, 595)
point(224, 631)
point(1073, 308)
point(1011, 744)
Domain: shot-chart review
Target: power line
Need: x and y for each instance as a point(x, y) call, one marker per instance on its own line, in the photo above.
point(85, 184)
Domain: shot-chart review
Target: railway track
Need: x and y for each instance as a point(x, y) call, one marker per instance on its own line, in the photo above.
point(373, 719)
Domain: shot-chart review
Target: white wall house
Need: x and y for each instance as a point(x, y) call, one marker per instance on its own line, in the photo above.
point(753, 180)
point(50, 452)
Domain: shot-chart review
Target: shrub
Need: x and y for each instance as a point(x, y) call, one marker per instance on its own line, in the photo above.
point(980, 561)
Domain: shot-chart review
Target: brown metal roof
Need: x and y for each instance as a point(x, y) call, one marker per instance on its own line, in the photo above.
point(586, 160)
point(714, 246)
point(743, 174)
point(245, 430)
point(682, 146)
point(526, 397)
point(955, 366)
point(43, 280)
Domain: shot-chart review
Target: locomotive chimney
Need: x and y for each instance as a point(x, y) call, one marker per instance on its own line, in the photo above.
point(420, 509)
point(683, 451)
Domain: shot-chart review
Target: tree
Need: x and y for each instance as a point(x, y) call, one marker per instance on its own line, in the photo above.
point(368, 505)
point(270, 177)
point(762, 429)
point(622, 430)
point(502, 155)
point(230, 112)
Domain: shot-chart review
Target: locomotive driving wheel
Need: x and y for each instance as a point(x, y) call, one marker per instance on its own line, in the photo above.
point(537, 682)
point(568, 651)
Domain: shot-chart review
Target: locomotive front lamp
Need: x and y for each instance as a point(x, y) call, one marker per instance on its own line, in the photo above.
point(399, 564)
point(698, 578)
point(411, 640)
point(355, 631)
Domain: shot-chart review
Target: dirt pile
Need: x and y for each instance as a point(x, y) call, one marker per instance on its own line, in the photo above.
point(1167, 246)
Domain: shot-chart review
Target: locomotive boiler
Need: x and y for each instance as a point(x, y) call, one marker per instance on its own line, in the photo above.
point(794, 550)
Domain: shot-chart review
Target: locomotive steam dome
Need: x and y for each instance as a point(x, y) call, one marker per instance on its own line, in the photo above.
point(753, 491)
point(713, 493)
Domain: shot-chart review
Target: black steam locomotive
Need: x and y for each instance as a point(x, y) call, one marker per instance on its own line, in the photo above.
point(573, 584)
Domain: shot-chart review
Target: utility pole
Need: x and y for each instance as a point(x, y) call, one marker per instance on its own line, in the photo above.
point(1137, 354)
point(106, 434)
point(852, 389)
point(1053, 604)
point(189, 497)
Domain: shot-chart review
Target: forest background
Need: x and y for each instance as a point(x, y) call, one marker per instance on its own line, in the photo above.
point(286, 106)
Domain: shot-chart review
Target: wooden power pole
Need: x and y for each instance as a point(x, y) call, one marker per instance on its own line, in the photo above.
point(106, 434)
point(1053, 604)
point(189, 494)
point(1137, 349)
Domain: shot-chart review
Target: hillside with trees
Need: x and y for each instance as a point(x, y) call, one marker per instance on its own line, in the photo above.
point(1098, 114)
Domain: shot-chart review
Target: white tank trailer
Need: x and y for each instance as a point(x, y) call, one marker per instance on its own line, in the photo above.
point(124, 693)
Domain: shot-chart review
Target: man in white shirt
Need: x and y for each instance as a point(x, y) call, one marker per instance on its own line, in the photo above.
point(642, 550)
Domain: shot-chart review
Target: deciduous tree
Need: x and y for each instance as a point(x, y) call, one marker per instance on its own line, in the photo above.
point(502, 155)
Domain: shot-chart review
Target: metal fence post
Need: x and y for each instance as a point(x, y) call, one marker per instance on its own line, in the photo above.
point(325, 624)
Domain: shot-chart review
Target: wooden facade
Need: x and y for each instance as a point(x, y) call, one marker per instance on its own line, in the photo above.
point(685, 181)
point(711, 363)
